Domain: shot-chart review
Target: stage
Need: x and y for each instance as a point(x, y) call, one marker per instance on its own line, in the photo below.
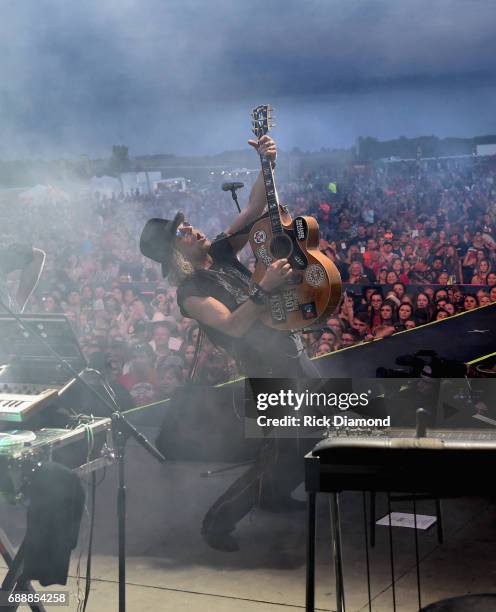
point(170, 568)
point(467, 337)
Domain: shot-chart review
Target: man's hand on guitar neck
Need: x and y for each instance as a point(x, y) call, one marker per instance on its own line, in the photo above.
point(266, 147)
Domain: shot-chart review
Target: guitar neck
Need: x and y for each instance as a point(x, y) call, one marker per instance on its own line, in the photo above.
point(271, 194)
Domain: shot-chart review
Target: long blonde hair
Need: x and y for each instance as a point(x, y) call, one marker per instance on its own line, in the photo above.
point(179, 268)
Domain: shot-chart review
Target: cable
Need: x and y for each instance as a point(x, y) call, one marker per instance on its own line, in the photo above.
point(90, 543)
point(81, 600)
point(90, 439)
point(194, 364)
point(78, 577)
point(391, 552)
point(79, 596)
point(417, 558)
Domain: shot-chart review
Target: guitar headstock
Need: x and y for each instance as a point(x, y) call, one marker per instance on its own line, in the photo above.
point(262, 120)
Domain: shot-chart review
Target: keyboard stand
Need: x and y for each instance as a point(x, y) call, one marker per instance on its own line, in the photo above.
point(337, 549)
point(13, 582)
point(442, 465)
point(311, 534)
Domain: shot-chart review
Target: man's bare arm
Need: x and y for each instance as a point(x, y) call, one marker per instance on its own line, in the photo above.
point(257, 200)
point(211, 312)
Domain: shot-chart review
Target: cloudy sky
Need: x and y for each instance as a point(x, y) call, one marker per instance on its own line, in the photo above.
point(181, 76)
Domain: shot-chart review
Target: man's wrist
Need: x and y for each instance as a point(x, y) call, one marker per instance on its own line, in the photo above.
point(258, 295)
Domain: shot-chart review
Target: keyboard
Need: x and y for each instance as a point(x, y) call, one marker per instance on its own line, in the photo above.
point(18, 401)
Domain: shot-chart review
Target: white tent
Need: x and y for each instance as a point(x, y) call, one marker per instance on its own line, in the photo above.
point(106, 185)
point(43, 194)
point(143, 181)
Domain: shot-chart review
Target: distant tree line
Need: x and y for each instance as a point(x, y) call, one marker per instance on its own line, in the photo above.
point(369, 149)
point(24, 173)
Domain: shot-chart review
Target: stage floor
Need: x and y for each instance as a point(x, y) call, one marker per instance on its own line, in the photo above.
point(170, 568)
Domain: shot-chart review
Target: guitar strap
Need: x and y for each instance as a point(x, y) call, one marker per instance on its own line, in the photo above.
point(244, 230)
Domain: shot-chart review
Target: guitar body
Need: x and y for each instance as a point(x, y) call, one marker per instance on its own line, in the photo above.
point(314, 289)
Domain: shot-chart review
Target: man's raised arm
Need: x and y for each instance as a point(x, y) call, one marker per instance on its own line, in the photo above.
point(257, 200)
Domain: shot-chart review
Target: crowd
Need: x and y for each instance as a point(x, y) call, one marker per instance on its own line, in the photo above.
point(413, 244)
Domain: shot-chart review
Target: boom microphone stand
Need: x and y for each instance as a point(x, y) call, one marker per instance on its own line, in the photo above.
point(232, 187)
point(122, 429)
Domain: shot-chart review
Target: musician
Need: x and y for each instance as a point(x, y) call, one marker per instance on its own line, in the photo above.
point(214, 288)
point(30, 262)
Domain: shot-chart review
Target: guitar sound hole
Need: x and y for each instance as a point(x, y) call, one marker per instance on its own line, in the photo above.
point(281, 246)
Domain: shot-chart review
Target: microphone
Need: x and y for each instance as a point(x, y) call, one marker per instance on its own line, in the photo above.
point(232, 186)
point(421, 421)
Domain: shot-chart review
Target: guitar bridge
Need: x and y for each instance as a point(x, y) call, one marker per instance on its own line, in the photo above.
point(282, 303)
point(290, 299)
point(295, 279)
point(277, 309)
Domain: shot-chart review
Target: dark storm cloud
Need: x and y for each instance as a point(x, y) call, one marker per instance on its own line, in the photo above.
point(77, 77)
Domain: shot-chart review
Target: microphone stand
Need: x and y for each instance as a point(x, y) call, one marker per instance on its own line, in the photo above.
point(122, 429)
point(235, 198)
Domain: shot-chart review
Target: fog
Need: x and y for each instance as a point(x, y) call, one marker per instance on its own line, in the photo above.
point(181, 76)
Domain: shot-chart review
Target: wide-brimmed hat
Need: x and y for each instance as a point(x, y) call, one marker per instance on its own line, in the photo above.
point(160, 319)
point(158, 238)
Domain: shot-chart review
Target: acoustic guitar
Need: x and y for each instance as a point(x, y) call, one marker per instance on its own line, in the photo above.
point(314, 288)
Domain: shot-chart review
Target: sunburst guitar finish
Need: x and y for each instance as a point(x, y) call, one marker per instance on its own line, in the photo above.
point(314, 289)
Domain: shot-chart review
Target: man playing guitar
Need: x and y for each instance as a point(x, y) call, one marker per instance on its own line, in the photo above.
point(216, 289)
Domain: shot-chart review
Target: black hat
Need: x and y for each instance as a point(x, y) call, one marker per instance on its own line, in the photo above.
point(140, 326)
point(157, 239)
